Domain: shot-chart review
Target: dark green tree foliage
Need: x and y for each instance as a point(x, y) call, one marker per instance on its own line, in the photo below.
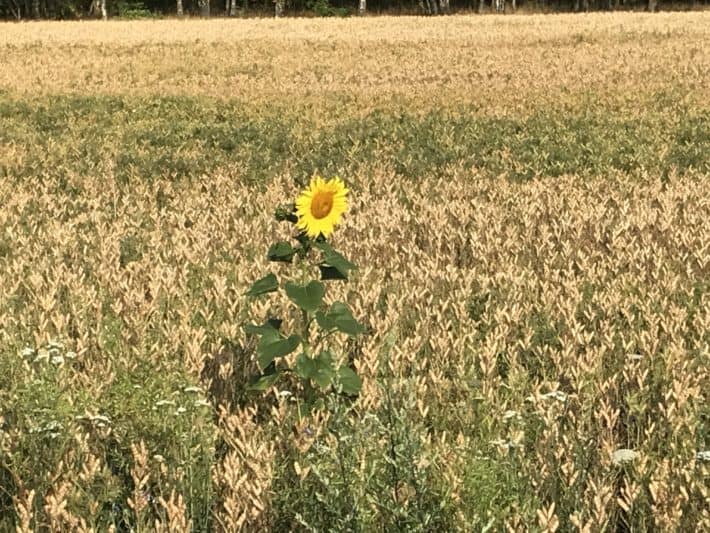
point(82, 9)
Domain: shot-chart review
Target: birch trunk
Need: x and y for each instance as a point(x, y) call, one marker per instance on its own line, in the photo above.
point(362, 7)
point(232, 8)
point(204, 8)
point(652, 5)
point(16, 10)
point(35, 8)
point(444, 7)
point(279, 8)
point(104, 13)
point(481, 5)
point(513, 6)
point(179, 8)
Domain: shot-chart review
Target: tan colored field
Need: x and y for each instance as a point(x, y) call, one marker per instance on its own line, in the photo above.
point(510, 63)
point(537, 353)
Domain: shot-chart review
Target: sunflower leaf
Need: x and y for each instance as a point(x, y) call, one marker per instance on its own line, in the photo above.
point(329, 272)
point(268, 283)
point(349, 380)
point(334, 260)
point(264, 381)
point(307, 297)
point(341, 318)
point(272, 345)
point(325, 371)
point(320, 369)
point(261, 383)
point(305, 367)
point(324, 321)
point(281, 251)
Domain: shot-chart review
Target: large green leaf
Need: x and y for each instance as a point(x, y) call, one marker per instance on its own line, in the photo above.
point(320, 369)
point(334, 260)
point(273, 345)
point(325, 371)
point(261, 383)
point(268, 283)
point(281, 251)
point(341, 318)
point(308, 297)
point(329, 272)
point(305, 366)
point(349, 380)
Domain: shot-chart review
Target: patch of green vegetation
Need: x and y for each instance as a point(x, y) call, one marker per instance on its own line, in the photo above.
point(183, 138)
point(142, 404)
point(129, 249)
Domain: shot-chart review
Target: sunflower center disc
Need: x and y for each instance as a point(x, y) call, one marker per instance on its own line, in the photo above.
point(321, 204)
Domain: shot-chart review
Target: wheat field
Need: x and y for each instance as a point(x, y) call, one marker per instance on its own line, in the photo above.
point(530, 215)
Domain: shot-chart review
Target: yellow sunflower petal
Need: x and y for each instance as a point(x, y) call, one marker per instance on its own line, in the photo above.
point(321, 205)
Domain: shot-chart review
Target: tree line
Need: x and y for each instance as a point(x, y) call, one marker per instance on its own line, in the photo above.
point(82, 9)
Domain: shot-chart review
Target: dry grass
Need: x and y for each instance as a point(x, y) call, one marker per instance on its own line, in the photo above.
point(521, 333)
point(507, 64)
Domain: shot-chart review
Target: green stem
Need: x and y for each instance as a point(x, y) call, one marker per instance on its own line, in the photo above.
point(305, 332)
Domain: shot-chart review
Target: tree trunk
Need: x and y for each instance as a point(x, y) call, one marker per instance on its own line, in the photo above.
point(362, 7)
point(15, 10)
point(35, 8)
point(444, 7)
point(481, 4)
point(513, 7)
point(232, 8)
point(279, 9)
point(179, 8)
point(204, 8)
point(104, 13)
point(652, 4)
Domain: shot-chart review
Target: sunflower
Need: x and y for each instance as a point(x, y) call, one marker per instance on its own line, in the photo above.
point(320, 206)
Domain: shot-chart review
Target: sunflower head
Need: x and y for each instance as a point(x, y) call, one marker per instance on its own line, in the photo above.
point(320, 206)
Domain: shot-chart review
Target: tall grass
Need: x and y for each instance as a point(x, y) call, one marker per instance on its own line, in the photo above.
point(534, 275)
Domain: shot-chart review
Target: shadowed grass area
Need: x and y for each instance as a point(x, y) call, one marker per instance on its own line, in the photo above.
point(183, 138)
